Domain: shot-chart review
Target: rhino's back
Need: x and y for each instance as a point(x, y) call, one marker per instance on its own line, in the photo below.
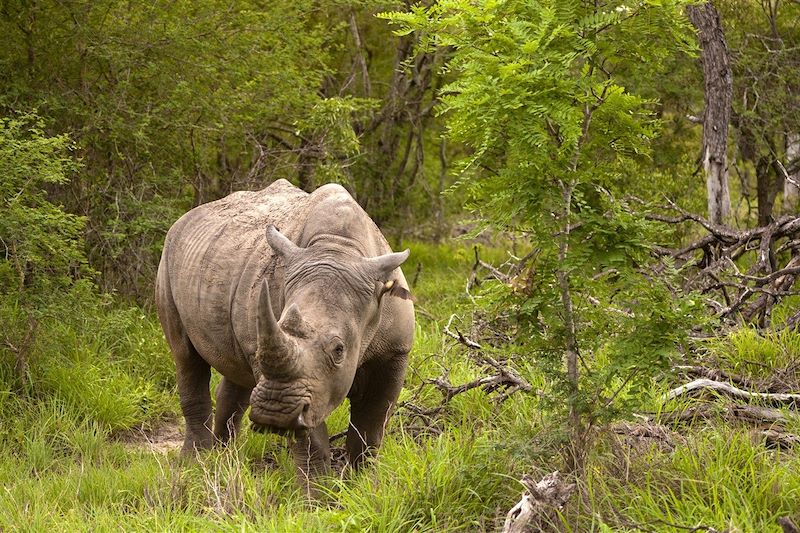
point(214, 258)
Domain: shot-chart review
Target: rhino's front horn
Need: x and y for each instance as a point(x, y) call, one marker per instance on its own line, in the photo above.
point(274, 349)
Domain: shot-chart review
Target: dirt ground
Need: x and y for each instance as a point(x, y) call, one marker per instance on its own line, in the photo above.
point(162, 439)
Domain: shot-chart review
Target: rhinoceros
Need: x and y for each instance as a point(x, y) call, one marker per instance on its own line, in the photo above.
point(295, 320)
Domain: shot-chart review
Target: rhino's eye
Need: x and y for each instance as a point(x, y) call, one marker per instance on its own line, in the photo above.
point(336, 350)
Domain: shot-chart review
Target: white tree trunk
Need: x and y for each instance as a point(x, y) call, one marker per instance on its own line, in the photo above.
point(719, 196)
point(791, 188)
point(716, 116)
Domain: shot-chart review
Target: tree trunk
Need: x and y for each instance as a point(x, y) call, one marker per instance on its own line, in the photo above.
point(305, 166)
point(766, 189)
point(576, 452)
point(791, 190)
point(717, 114)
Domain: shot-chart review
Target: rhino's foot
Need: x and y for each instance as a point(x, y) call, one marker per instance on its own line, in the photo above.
point(193, 448)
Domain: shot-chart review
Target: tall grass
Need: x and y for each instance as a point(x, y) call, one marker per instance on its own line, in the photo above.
point(96, 370)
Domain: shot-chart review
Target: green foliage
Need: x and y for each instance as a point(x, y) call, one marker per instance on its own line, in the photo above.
point(552, 111)
point(762, 38)
point(717, 478)
point(555, 141)
point(172, 104)
point(42, 245)
point(66, 467)
point(102, 365)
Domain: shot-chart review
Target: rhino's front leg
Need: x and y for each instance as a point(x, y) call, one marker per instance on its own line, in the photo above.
point(232, 402)
point(312, 456)
point(375, 391)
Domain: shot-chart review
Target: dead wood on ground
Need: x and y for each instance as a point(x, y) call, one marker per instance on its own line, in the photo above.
point(703, 385)
point(767, 424)
point(504, 380)
point(500, 383)
point(715, 258)
point(541, 500)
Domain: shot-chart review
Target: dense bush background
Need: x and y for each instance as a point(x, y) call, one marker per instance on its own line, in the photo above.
point(471, 131)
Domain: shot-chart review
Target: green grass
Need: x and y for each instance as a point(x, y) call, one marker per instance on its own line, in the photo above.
point(96, 370)
point(719, 477)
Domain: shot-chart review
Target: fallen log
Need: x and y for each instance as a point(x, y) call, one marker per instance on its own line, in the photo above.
point(714, 373)
point(715, 259)
point(703, 385)
point(765, 416)
point(788, 525)
point(778, 439)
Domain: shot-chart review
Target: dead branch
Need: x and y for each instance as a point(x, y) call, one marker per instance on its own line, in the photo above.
point(702, 385)
point(504, 378)
point(537, 509)
point(449, 390)
point(788, 525)
point(494, 273)
point(750, 296)
point(642, 435)
point(767, 421)
point(750, 414)
point(469, 343)
point(778, 439)
point(715, 374)
point(502, 382)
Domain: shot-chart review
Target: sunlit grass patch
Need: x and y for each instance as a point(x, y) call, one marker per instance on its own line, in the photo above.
point(756, 353)
point(66, 461)
point(719, 477)
point(447, 482)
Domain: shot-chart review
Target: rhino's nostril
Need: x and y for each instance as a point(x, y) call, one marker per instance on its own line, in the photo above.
point(302, 419)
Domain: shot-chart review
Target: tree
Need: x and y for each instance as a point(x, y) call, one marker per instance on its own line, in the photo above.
point(399, 168)
point(791, 189)
point(42, 246)
point(762, 38)
point(717, 113)
point(554, 142)
point(172, 104)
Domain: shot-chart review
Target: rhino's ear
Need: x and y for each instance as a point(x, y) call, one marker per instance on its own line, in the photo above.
point(279, 243)
point(384, 265)
point(393, 288)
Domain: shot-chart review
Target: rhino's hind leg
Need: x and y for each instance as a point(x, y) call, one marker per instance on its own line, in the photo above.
point(232, 402)
point(193, 373)
point(312, 457)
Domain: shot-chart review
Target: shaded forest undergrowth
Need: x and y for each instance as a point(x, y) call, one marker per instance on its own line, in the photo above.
point(89, 420)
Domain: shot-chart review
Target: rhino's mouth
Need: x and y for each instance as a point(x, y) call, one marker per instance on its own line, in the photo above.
point(280, 408)
point(275, 430)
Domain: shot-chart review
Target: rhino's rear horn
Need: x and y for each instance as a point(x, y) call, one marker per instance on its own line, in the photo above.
point(279, 243)
point(274, 349)
point(384, 265)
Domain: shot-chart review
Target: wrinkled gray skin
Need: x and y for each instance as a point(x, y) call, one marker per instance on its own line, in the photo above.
point(341, 331)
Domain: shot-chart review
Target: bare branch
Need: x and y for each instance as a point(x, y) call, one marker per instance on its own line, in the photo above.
point(701, 385)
